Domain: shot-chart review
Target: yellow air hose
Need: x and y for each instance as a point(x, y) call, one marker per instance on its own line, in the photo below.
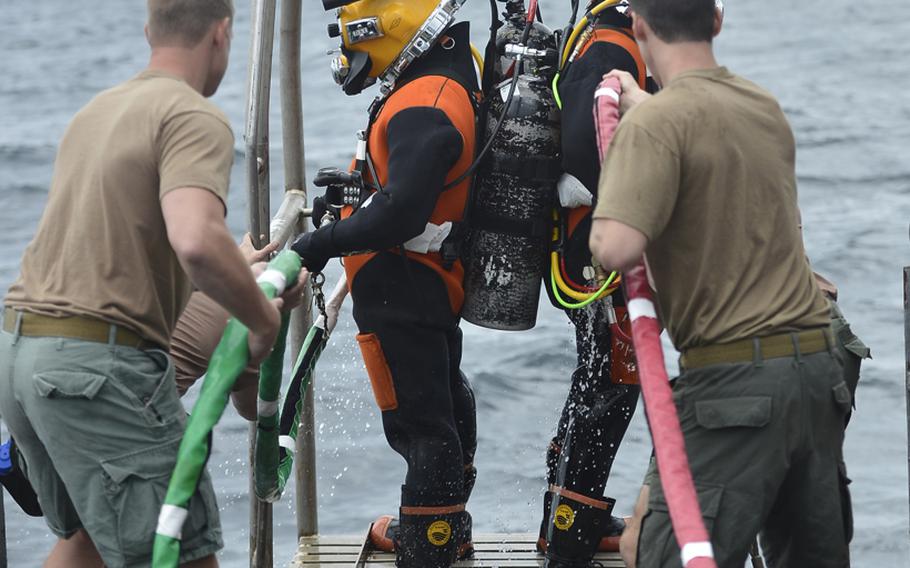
point(582, 24)
point(478, 58)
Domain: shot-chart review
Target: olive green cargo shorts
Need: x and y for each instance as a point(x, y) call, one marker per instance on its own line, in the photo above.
point(852, 349)
point(99, 426)
point(764, 441)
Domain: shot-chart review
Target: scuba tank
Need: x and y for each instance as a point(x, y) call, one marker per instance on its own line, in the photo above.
point(509, 217)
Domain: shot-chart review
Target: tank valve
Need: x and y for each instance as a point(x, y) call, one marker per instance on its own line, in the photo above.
point(600, 275)
point(520, 51)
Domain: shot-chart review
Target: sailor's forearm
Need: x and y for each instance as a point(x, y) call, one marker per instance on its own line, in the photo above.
point(220, 270)
point(628, 542)
point(194, 218)
point(615, 245)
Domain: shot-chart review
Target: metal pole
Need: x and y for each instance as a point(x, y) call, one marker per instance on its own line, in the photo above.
point(291, 96)
point(295, 181)
point(257, 117)
point(258, 180)
point(261, 529)
point(907, 358)
point(306, 495)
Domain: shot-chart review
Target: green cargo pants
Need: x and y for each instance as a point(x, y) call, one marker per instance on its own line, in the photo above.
point(764, 441)
point(852, 349)
point(99, 426)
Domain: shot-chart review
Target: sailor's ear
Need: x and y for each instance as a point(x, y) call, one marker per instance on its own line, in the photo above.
point(147, 38)
point(639, 28)
point(718, 20)
point(223, 31)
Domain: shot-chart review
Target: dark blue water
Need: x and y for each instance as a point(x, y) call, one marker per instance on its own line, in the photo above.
point(839, 69)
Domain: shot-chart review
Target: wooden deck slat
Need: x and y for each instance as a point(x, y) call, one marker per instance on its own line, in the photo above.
point(491, 551)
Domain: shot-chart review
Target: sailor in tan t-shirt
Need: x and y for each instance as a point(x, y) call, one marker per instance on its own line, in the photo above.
point(701, 179)
point(134, 221)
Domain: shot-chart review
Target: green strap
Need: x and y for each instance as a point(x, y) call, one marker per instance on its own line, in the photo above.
point(273, 463)
point(266, 452)
point(228, 361)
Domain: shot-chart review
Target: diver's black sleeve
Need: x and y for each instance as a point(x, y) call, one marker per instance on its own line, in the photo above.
point(423, 146)
point(576, 89)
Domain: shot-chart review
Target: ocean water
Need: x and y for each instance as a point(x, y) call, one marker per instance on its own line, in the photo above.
point(839, 69)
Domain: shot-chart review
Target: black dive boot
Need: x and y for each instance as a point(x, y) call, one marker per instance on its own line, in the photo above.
point(576, 524)
point(609, 539)
point(384, 531)
point(544, 523)
point(552, 466)
point(427, 539)
point(466, 542)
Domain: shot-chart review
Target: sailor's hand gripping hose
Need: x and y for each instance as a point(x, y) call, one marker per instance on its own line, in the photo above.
point(669, 444)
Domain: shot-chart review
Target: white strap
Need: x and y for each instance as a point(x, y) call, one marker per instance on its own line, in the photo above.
point(430, 240)
point(641, 308)
point(170, 521)
point(606, 92)
point(695, 550)
point(275, 278)
point(368, 202)
point(287, 443)
point(267, 408)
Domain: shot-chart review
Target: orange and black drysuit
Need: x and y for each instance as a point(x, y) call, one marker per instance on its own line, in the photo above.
point(406, 299)
point(603, 394)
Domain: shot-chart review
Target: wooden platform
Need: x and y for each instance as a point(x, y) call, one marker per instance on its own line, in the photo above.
point(491, 551)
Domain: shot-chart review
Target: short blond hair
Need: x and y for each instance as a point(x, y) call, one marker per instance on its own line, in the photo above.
point(184, 22)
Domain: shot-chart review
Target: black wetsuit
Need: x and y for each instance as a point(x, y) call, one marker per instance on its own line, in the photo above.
point(402, 306)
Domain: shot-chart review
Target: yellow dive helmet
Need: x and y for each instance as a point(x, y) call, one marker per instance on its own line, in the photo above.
point(380, 38)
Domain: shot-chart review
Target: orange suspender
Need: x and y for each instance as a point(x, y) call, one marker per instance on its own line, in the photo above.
point(623, 40)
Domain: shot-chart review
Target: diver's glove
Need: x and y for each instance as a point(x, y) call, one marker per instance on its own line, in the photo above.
point(315, 248)
point(328, 204)
point(320, 208)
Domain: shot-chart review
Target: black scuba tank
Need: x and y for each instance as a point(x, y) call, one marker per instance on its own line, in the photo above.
point(509, 218)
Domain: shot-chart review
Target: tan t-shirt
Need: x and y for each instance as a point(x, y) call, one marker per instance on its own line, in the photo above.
point(705, 169)
point(101, 249)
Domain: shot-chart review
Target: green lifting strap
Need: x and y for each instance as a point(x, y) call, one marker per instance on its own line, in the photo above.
point(265, 455)
point(228, 361)
point(276, 437)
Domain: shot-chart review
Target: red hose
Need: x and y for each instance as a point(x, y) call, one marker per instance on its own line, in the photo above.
point(669, 444)
point(532, 11)
point(568, 279)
